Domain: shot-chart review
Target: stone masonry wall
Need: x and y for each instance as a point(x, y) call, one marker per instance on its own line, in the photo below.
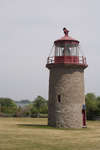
point(68, 82)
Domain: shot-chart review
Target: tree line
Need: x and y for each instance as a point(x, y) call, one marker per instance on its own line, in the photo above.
point(36, 108)
point(39, 107)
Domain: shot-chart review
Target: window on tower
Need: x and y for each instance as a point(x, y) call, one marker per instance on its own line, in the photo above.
point(59, 98)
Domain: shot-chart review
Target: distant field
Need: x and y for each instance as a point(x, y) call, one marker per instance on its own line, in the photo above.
point(33, 134)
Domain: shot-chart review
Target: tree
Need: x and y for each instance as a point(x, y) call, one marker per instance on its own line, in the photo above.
point(98, 98)
point(40, 105)
point(7, 105)
point(92, 108)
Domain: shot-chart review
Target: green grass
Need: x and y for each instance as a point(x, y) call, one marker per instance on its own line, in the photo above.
point(34, 134)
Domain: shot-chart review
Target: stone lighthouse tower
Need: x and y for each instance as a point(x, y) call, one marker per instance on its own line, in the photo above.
point(66, 84)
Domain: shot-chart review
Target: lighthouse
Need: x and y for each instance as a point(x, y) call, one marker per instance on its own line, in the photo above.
point(66, 67)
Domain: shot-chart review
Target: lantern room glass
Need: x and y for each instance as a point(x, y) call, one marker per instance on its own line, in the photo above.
point(67, 49)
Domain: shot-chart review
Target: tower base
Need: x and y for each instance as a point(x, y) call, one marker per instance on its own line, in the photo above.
point(66, 96)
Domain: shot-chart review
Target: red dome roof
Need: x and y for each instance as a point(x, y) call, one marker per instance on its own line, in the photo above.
point(66, 38)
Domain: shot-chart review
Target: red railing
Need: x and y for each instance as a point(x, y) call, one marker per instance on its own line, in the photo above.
point(67, 60)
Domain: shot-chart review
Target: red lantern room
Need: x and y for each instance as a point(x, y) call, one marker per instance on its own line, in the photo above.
point(66, 51)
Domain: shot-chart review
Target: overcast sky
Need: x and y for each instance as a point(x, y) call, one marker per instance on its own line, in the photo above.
point(27, 31)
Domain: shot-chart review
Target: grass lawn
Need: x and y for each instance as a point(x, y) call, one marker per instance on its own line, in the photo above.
point(33, 134)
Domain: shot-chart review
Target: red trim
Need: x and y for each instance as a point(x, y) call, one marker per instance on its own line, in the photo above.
point(67, 60)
